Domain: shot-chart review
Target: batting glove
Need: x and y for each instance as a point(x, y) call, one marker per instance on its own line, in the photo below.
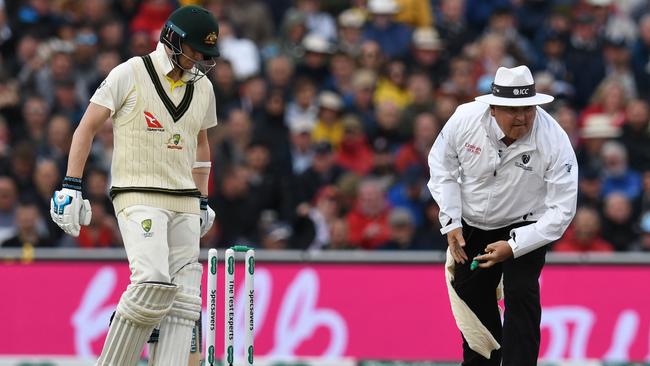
point(207, 216)
point(68, 209)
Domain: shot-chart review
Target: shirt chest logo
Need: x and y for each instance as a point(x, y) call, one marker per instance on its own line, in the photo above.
point(525, 158)
point(472, 148)
point(175, 142)
point(152, 122)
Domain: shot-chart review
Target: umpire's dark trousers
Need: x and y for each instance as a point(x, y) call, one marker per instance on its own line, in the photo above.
point(520, 335)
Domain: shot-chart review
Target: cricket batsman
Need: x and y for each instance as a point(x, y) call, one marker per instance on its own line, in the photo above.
point(161, 106)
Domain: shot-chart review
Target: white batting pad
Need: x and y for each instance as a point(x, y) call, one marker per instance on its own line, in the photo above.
point(173, 347)
point(139, 310)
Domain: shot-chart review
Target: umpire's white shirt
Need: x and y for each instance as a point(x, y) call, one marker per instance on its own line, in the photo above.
point(477, 178)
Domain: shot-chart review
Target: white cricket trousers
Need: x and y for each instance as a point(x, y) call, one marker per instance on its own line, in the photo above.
point(158, 242)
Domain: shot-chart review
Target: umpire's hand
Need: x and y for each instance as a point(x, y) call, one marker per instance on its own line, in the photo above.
point(496, 252)
point(456, 244)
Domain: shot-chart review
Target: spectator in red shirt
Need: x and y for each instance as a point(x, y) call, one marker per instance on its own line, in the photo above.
point(150, 18)
point(354, 153)
point(584, 234)
point(102, 231)
point(368, 220)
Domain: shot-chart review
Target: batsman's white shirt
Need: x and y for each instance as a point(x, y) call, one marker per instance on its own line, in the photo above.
point(477, 178)
point(155, 130)
point(155, 126)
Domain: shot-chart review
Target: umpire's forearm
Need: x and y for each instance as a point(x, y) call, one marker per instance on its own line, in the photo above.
point(82, 139)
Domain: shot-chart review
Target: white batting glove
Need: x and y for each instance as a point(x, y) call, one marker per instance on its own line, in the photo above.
point(68, 209)
point(207, 216)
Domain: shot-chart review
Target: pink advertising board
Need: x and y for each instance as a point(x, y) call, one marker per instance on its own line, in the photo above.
point(376, 311)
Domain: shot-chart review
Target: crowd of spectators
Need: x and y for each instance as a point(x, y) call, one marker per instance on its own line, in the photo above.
point(327, 111)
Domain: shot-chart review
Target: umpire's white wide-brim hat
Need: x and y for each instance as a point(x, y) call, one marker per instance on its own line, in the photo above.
point(514, 88)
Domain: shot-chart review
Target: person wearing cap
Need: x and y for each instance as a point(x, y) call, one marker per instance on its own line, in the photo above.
point(427, 55)
point(350, 22)
point(598, 129)
point(302, 153)
point(314, 64)
point(161, 107)
point(505, 177)
point(363, 89)
point(393, 37)
point(329, 126)
point(276, 237)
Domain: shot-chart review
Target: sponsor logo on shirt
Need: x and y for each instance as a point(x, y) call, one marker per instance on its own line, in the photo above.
point(568, 167)
point(523, 165)
point(472, 148)
point(174, 142)
point(152, 122)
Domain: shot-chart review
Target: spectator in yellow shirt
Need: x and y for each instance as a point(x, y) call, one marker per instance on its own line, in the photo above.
point(416, 13)
point(329, 126)
point(392, 87)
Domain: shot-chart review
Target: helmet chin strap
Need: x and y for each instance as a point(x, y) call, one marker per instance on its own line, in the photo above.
point(196, 73)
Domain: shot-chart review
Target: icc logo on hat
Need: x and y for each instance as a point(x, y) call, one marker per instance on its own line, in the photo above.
point(514, 87)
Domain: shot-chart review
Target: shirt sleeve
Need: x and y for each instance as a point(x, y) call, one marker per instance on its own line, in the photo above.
point(113, 91)
point(561, 198)
point(210, 119)
point(444, 184)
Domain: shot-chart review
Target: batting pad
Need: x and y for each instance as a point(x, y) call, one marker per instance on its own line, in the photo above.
point(173, 347)
point(141, 307)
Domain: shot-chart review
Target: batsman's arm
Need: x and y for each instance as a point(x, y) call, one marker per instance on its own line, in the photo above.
point(201, 170)
point(91, 122)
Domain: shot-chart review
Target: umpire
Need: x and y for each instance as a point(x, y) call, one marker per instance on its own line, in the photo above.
point(505, 177)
